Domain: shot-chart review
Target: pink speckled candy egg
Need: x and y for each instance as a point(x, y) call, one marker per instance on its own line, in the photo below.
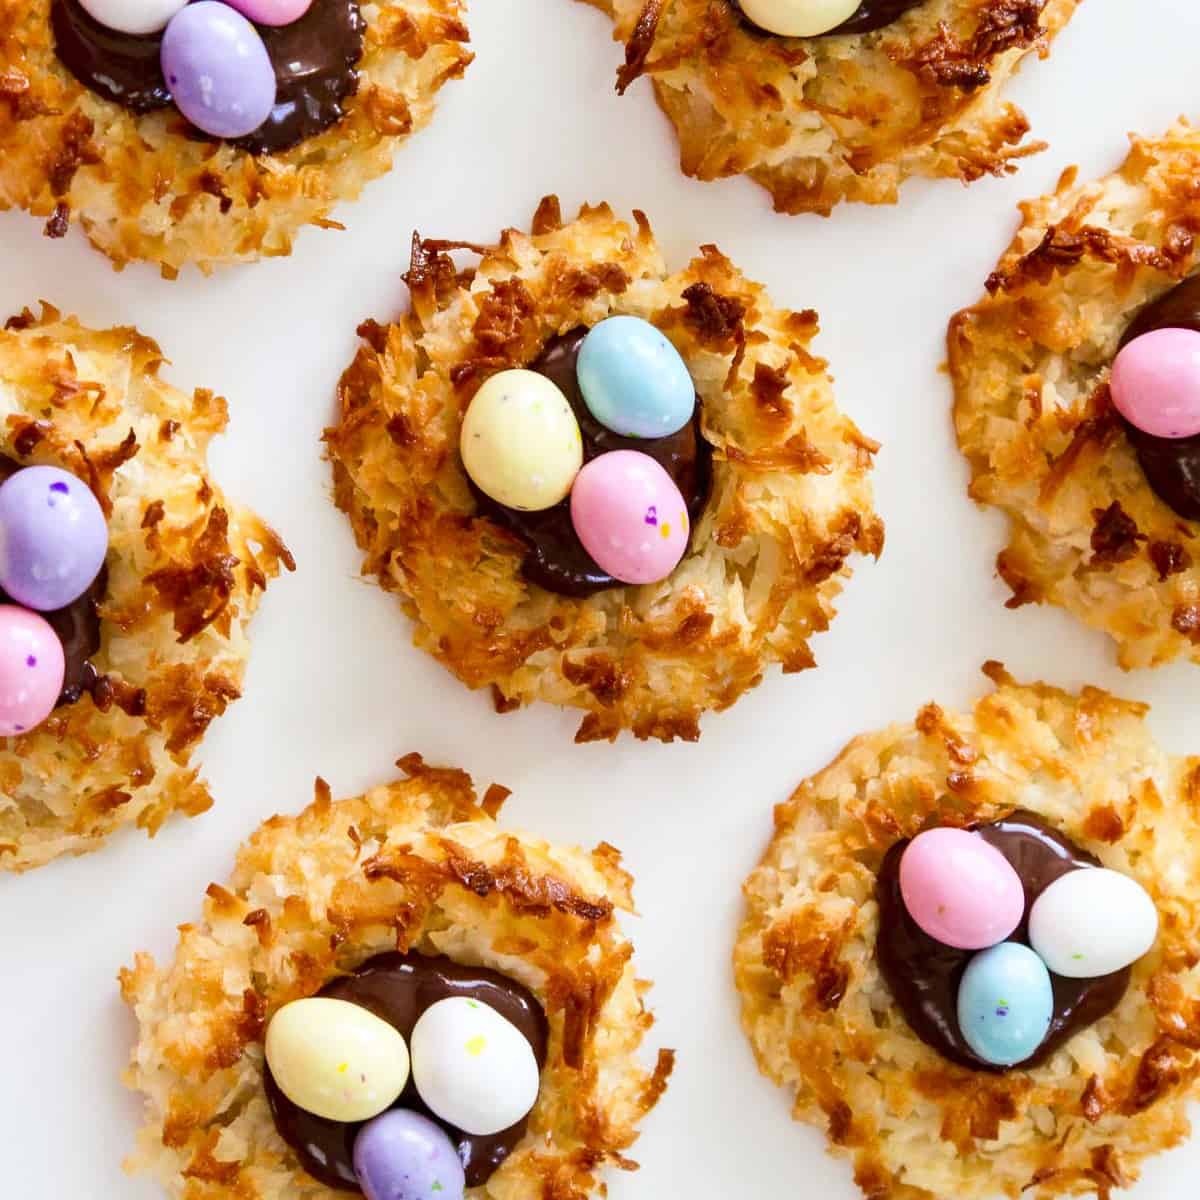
point(630, 516)
point(960, 890)
point(272, 12)
point(1156, 383)
point(32, 667)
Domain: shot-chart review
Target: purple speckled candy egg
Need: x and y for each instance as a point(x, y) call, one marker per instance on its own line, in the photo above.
point(272, 12)
point(31, 670)
point(53, 538)
point(630, 516)
point(218, 70)
point(402, 1155)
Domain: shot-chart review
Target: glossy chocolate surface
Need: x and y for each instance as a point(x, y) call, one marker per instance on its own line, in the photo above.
point(556, 559)
point(398, 988)
point(867, 18)
point(77, 625)
point(1172, 465)
point(923, 975)
point(314, 59)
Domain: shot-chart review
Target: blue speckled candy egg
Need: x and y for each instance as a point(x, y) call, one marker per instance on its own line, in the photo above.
point(1005, 1003)
point(402, 1155)
point(633, 380)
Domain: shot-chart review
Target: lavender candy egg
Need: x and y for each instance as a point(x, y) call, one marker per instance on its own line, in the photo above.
point(218, 70)
point(53, 538)
point(401, 1155)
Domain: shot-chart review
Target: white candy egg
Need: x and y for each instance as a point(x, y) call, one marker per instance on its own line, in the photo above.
point(1092, 922)
point(134, 16)
point(336, 1059)
point(472, 1067)
point(799, 18)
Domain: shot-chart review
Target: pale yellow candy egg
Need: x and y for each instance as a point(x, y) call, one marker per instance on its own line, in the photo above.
point(520, 441)
point(335, 1059)
point(799, 18)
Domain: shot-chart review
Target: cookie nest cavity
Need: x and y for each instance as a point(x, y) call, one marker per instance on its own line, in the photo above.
point(1031, 363)
point(821, 120)
point(790, 502)
point(149, 187)
point(185, 571)
point(417, 865)
point(824, 1025)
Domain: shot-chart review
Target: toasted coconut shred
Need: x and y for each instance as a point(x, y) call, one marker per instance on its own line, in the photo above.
point(145, 187)
point(820, 120)
point(1030, 364)
point(791, 498)
point(821, 1018)
point(186, 568)
point(417, 865)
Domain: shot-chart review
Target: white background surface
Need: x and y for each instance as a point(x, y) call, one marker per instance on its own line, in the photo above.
point(336, 688)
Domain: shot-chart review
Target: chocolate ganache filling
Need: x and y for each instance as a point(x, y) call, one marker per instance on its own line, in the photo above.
point(77, 625)
point(398, 988)
point(923, 974)
point(315, 60)
point(867, 18)
point(1172, 465)
point(556, 559)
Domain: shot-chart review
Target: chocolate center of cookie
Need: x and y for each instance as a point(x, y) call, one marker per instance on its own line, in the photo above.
point(398, 988)
point(867, 18)
point(556, 559)
point(923, 975)
point(1171, 465)
point(77, 625)
point(315, 60)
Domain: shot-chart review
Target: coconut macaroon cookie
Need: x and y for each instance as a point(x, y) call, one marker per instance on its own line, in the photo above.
point(127, 581)
point(598, 483)
point(211, 133)
point(395, 996)
point(1077, 401)
point(969, 951)
point(821, 101)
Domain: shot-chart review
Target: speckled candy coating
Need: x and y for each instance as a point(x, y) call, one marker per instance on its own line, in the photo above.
point(960, 890)
point(31, 670)
point(1155, 383)
point(218, 70)
point(53, 538)
point(799, 18)
point(272, 12)
point(1005, 1004)
point(133, 16)
point(402, 1155)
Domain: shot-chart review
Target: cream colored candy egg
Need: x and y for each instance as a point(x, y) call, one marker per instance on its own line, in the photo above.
point(520, 441)
point(799, 18)
point(335, 1059)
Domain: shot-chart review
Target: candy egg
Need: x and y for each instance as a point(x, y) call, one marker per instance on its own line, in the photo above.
point(1005, 1004)
point(335, 1059)
point(960, 890)
point(32, 667)
point(474, 1069)
point(272, 12)
point(630, 516)
point(1155, 383)
point(1092, 922)
point(633, 380)
point(133, 16)
point(53, 538)
point(218, 70)
point(799, 18)
point(402, 1155)
point(520, 441)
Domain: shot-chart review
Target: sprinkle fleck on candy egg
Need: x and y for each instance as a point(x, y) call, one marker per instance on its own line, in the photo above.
point(218, 70)
point(1155, 383)
point(633, 380)
point(133, 16)
point(1092, 922)
point(960, 890)
point(1005, 1004)
point(799, 18)
point(472, 1067)
point(520, 441)
point(272, 12)
point(630, 516)
point(335, 1059)
point(32, 667)
point(53, 538)
point(402, 1155)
